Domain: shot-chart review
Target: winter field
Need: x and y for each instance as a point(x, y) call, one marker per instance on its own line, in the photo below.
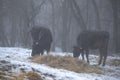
point(14, 61)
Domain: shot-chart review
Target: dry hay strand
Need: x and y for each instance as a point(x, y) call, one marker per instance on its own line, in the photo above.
point(114, 62)
point(29, 76)
point(67, 62)
point(6, 75)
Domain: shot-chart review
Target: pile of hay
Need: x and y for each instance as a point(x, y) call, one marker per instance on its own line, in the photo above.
point(67, 62)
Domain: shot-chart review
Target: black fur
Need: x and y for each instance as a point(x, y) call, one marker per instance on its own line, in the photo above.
point(92, 40)
point(42, 39)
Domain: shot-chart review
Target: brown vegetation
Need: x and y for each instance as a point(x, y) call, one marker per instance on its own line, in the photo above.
point(114, 62)
point(22, 76)
point(28, 76)
point(67, 62)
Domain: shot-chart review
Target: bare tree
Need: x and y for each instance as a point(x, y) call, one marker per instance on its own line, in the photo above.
point(77, 14)
point(3, 38)
point(53, 25)
point(98, 25)
point(116, 33)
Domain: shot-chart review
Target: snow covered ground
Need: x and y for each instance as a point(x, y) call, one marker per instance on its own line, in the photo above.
point(21, 58)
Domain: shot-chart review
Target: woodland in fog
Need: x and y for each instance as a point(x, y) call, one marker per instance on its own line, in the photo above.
point(65, 18)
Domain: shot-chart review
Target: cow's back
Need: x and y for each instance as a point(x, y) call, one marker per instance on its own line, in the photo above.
point(92, 39)
point(41, 33)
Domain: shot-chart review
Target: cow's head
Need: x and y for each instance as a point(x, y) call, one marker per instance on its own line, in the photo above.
point(76, 51)
point(35, 49)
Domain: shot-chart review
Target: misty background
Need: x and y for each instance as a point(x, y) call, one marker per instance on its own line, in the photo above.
point(65, 18)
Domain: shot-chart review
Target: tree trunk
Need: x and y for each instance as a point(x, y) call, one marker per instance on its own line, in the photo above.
point(3, 38)
point(98, 27)
point(77, 14)
point(116, 32)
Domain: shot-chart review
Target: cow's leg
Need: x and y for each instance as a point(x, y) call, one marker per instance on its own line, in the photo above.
point(101, 56)
point(100, 59)
point(33, 53)
point(105, 57)
point(42, 52)
point(82, 54)
point(48, 49)
point(105, 52)
point(34, 50)
point(87, 55)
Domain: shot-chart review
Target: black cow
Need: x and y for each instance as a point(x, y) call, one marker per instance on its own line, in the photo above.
point(92, 40)
point(42, 39)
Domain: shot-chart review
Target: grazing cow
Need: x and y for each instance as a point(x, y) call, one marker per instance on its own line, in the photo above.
point(92, 40)
point(42, 39)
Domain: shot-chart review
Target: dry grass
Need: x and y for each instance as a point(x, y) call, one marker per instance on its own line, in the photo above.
point(67, 62)
point(6, 75)
point(22, 76)
point(114, 62)
point(28, 76)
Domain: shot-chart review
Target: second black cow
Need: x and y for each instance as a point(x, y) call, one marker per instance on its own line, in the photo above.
point(42, 39)
point(92, 40)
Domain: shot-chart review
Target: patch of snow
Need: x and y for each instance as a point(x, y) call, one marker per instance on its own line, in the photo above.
point(20, 57)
